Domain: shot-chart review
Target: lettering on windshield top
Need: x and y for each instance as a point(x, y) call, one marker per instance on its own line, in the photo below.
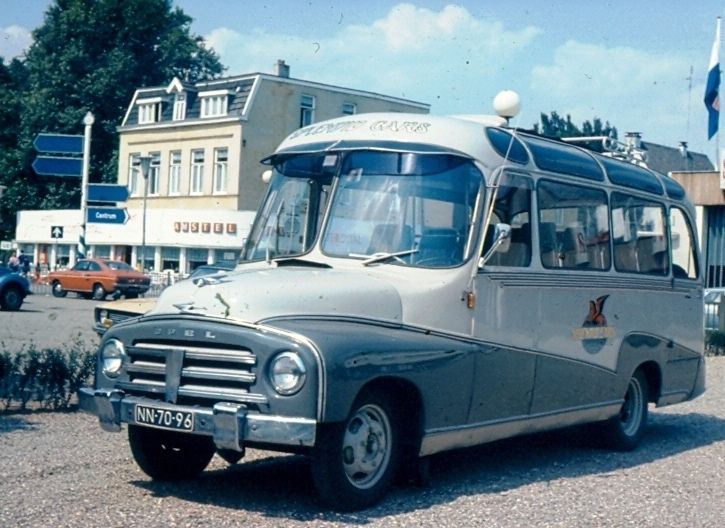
point(383, 125)
point(328, 128)
point(411, 127)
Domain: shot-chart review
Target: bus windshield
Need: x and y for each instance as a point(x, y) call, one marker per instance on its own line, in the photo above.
point(396, 207)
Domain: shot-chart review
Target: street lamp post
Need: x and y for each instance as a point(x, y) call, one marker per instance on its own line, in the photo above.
point(88, 121)
point(145, 162)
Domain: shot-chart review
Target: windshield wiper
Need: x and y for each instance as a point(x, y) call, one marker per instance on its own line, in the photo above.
point(381, 257)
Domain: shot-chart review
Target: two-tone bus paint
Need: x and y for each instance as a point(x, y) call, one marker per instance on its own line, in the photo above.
point(414, 284)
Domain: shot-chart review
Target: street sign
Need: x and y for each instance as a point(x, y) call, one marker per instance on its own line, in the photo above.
point(58, 143)
point(105, 192)
point(6, 245)
point(51, 166)
point(56, 232)
point(107, 215)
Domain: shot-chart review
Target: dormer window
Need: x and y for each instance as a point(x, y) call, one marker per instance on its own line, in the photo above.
point(214, 104)
point(149, 110)
point(180, 107)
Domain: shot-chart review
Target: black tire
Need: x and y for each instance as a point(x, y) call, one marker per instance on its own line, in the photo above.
point(166, 455)
point(99, 293)
point(57, 289)
point(624, 431)
point(11, 298)
point(355, 462)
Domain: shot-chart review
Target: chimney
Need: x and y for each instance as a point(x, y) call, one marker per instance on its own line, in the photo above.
point(633, 139)
point(281, 69)
point(683, 148)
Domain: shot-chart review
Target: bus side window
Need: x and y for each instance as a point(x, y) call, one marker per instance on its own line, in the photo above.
point(640, 238)
point(684, 258)
point(513, 207)
point(573, 226)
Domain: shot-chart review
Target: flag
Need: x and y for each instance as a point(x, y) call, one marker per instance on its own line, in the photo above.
point(712, 100)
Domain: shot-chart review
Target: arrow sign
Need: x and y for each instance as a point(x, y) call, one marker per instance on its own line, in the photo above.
point(107, 193)
point(51, 166)
point(58, 143)
point(56, 232)
point(107, 215)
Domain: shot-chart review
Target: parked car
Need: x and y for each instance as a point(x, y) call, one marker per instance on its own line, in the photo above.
point(109, 313)
point(13, 289)
point(96, 278)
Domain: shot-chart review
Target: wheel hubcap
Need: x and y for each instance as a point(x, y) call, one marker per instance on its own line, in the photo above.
point(366, 446)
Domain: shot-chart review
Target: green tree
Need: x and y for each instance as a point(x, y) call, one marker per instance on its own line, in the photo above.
point(556, 126)
point(91, 55)
point(11, 80)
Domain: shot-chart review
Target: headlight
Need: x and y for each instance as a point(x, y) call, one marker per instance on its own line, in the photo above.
point(103, 319)
point(112, 355)
point(287, 373)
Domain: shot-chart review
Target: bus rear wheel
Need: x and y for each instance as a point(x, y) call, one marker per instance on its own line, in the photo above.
point(624, 431)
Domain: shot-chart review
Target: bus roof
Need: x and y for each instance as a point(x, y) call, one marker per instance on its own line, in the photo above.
point(484, 138)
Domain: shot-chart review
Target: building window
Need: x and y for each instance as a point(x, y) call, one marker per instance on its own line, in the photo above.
point(149, 110)
point(197, 171)
point(307, 110)
point(220, 170)
point(174, 171)
point(226, 255)
point(170, 259)
point(214, 105)
point(153, 174)
point(134, 175)
point(102, 251)
point(180, 107)
point(196, 257)
point(349, 108)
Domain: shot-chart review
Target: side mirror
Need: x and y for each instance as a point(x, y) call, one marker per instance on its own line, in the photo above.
point(501, 235)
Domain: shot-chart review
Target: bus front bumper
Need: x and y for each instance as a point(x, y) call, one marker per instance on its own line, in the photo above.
point(231, 425)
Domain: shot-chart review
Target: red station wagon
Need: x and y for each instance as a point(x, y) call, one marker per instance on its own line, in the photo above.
point(96, 278)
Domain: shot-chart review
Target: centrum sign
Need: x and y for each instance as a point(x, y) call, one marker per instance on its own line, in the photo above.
point(107, 215)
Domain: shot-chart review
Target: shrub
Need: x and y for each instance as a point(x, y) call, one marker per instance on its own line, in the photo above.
point(49, 377)
point(714, 343)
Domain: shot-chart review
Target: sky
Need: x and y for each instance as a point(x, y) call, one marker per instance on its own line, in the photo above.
point(642, 66)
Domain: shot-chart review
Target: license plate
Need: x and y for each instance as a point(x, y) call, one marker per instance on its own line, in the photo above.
point(176, 420)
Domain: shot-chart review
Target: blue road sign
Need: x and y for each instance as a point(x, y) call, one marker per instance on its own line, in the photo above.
point(106, 215)
point(58, 143)
point(52, 166)
point(105, 192)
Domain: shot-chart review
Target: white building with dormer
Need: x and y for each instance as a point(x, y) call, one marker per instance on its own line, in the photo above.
point(205, 141)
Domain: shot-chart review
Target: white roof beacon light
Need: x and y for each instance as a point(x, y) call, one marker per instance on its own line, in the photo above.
point(507, 104)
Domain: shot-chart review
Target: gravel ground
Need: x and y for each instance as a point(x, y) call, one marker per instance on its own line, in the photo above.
point(62, 470)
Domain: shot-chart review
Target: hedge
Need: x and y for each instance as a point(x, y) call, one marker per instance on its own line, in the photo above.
point(44, 379)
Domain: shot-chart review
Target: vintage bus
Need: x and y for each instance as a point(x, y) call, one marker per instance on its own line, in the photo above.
point(414, 284)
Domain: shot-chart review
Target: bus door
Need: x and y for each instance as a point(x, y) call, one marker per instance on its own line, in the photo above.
point(503, 317)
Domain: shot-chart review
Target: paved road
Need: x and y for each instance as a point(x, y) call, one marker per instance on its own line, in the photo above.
point(48, 322)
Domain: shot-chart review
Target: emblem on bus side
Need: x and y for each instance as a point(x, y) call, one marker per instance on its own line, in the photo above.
point(594, 332)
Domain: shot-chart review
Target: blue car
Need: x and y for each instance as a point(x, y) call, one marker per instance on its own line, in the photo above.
point(13, 289)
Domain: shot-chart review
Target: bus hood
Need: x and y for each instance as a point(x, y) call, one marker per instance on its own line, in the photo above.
point(257, 294)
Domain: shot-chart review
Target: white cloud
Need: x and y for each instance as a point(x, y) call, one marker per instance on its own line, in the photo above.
point(14, 41)
point(413, 52)
point(632, 89)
